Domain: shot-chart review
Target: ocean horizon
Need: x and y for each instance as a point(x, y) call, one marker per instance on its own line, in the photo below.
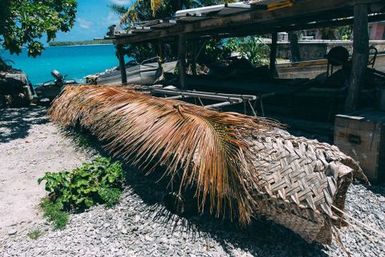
point(73, 61)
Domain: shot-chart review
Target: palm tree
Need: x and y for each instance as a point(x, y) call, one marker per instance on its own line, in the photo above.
point(141, 10)
point(239, 166)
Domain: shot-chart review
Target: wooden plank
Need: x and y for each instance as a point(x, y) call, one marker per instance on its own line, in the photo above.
point(289, 25)
point(272, 5)
point(150, 23)
point(360, 55)
point(164, 24)
point(273, 54)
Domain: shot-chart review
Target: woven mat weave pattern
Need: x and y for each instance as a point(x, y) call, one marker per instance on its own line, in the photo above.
point(300, 180)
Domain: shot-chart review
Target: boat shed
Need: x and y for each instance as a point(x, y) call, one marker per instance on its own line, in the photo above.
point(261, 17)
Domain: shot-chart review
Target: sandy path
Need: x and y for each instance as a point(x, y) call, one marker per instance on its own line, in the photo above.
point(29, 146)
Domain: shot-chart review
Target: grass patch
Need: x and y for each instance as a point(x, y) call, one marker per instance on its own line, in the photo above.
point(35, 234)
point(53, 211)
point(110, 196)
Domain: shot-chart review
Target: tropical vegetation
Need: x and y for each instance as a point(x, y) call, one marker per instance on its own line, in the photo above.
point(252, 48)
point(141, 10)
point(25, 23)
point(83, 42)
point(98, 182)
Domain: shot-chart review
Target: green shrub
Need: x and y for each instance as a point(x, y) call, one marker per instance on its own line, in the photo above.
point(214, 50)
point(98, 182)
point(252, 48)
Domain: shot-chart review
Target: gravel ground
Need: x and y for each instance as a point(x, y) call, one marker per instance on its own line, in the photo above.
point(29, 146)
point(140, 226)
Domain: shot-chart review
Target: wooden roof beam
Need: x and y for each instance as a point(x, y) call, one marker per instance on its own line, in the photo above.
point(300, 10)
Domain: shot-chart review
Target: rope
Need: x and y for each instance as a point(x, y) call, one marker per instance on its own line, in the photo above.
point(369, 237)
point(378, 232)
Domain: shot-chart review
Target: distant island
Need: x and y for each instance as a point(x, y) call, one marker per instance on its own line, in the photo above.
point(84, 42)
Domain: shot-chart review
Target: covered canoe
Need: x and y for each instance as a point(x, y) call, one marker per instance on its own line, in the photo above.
point(241, 167)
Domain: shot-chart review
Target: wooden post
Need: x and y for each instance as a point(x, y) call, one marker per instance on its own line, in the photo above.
point(160, 52)
point(273, 54)
point(294, 47)
point(181, 60)
point(360, 55)
point(122, 63)
point(194, 58)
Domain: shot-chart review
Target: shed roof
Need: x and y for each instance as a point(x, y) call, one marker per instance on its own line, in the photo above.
point(248, 18)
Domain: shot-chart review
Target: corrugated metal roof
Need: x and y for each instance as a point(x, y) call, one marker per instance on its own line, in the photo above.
point(221, 9)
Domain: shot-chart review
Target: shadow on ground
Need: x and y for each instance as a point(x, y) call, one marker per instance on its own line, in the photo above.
point(261, 238)
point(15, 123)
point(378, 189)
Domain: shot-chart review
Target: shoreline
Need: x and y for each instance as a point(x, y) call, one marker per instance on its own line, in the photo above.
point(77, 45)
point(81, 45)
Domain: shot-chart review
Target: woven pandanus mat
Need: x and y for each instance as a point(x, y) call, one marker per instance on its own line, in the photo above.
point(239, 166)
point(300, 180)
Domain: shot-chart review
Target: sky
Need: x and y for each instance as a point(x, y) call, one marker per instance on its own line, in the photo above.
point(92, 20)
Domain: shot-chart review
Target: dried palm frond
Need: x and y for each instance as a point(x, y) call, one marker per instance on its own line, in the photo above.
point(240, 166)
point(155, 5)
point(131, 15)
point(151, 131)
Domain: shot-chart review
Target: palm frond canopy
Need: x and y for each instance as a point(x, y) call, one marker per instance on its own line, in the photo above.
point(239, 166)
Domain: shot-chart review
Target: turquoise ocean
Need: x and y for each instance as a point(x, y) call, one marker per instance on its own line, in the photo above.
point(75, 62)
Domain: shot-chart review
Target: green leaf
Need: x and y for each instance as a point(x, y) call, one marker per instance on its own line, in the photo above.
point(24, 23)
point(86, 185)
point(88, 202)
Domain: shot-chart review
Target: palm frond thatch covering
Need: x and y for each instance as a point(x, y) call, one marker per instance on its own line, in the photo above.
point(240, 166)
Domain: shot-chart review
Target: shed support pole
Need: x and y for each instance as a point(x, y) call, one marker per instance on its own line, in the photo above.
point(194, 58)
point(273, 54)
point(122, 64)
point(160, 52)
point(360, 55)
point(181, 60)
point(294, 47)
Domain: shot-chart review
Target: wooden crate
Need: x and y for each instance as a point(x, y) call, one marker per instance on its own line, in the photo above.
point(362, 136)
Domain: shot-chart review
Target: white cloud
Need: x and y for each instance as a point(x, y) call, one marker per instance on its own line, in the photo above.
point(111, 19)
point(121, 2)
point(83, 23)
